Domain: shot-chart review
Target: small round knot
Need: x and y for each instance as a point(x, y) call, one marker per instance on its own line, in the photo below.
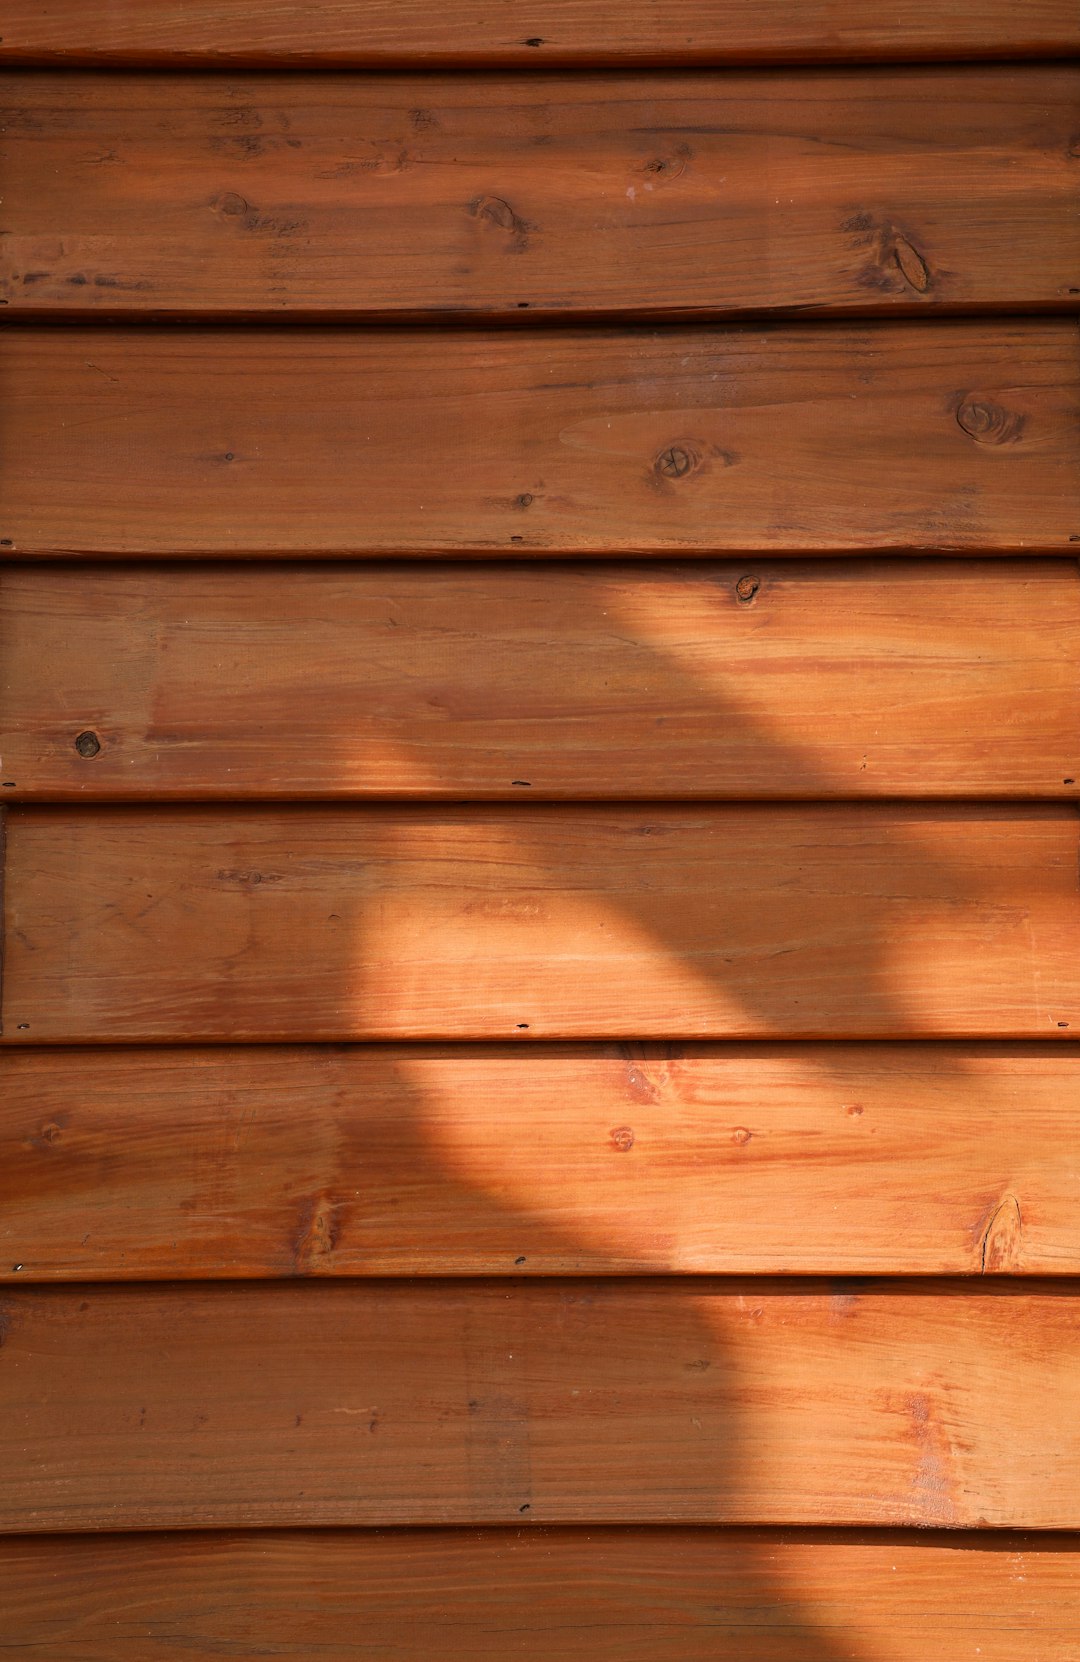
point(87, 744)
point(668, 167)
point(675, 462)
point(988, 423)
point(497, 210)
point(740, 1135)
point(230, 202)
point(622, 1138)
point(747, 587)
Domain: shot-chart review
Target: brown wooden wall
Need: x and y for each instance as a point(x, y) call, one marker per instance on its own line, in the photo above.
point(539, 766)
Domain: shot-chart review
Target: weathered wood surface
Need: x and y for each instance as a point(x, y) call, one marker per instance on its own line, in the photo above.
point(778, 679)
point(529, 923)
point(904, 436)
point(842, 190)
point(668, 1595)
point(231, 1163)
point(408, 1402)
point(528, 32)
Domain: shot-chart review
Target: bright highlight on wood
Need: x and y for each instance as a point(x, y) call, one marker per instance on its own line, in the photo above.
point(702, 681)
point(293, 923)
point(237, 1162)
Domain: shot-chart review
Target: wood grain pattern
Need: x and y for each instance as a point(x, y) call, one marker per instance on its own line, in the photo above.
point(408, 1402)
point(669, 1595)
point(231, 1163)
point(904, 436)
point(366, 923)
point(841, 190)
point(917, 679)
point(528, 32)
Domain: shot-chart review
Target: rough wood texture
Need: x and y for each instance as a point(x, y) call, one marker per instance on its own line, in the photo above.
point(903, 436)
point(584, 922)
point(642, 1595)
point(405, 1402)
point(529, 32)
point(843, 190)
point(119, 1164)
point(702, 681)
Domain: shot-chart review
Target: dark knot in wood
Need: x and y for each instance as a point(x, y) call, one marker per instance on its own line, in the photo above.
point(496, 211)
point(989, 423)
point(911, 265)
point(675, 462)
point(499, 212)
point(231, 204)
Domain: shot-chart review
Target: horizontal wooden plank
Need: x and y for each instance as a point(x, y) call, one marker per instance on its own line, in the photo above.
point(530, 923)
point(671, 1595)
point(843, 190)
point(905, 436)
point(852, 1159)
point(917, 679)
point(409, 1402)
point(527, 31)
